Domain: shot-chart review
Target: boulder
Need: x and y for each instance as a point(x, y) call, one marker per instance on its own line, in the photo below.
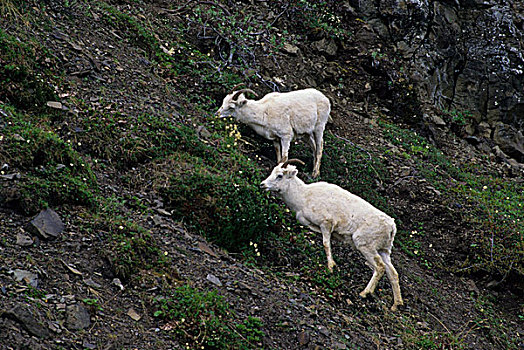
point(510, 140)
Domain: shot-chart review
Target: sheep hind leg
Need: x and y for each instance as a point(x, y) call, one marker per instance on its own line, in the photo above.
point(313, 146)
point(392, 274)
point(319, 142)
point(375, 262)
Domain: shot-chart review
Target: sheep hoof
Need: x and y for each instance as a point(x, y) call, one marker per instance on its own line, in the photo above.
point(397, 305)
point(363, 294)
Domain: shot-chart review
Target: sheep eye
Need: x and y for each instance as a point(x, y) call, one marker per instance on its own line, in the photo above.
point(279, 176)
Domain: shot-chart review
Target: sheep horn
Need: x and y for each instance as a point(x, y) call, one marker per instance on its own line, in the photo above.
point(292, 161)
point(236, 87)
point(235, 96)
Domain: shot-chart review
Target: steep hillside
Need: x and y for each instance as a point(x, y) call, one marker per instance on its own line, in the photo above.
point(132, 216)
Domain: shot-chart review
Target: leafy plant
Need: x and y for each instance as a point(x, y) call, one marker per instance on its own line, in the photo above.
point(94, 303)
point(227, 209)
point(204, 320)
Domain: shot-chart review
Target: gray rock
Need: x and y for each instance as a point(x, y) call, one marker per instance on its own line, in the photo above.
point(77, 317)
point(462, 57)
point(484, 130)
point(323, 330)
point(89, 282)
point(470, 129)
point(339, 346)
point(13, 176)
point(303, 338)
point(54, 104)
point(47, 224)
point(26, 276)
point(510, 140)
point(435, 119)
point(290, 49)
point(23, 240)
point(203, 132)
point(163, 212)
point(213, 279)
point(30, 319)
point(157, 220)
point(118, 283)
point(327, 46)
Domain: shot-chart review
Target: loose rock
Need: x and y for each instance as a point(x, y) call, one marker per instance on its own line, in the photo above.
point(29, 277)
point(47, 224)
point(30, 319)
point(23, 240)
point(77, 317)
point(213, 279)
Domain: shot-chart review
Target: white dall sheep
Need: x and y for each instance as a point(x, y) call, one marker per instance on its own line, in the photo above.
point(281, 116)
point(337, 213)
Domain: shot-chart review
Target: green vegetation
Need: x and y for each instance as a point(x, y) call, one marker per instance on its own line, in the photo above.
point(54, 172)
point(319, 16)
point(22, 83)
point(94, 303)
point(204, 320)
point(457, 118)
point(179, 62)
point(491, 204)
point(218, 195)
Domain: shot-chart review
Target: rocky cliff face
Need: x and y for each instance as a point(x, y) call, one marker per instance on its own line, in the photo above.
point(464, 55)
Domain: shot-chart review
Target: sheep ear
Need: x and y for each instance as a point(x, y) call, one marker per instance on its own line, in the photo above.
point(291, 171)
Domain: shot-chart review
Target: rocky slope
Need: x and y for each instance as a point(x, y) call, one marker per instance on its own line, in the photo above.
point(117, 98)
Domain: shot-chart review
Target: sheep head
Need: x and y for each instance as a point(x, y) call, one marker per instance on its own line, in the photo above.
point(233, 101)
point(280, 175)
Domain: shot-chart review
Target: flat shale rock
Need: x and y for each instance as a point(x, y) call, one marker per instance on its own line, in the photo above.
point(77, 317)
point(47, 224)
point(29, 319)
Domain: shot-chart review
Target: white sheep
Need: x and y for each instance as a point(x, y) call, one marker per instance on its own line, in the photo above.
point(281, 116)
point(337, 213)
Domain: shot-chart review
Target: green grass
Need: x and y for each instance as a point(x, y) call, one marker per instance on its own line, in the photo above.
point(205, 320)
point(22, 83)
point(53, 172)
point(217, 195)
point(189, 69)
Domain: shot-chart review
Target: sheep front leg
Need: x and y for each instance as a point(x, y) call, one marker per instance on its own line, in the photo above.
point(326, 241)
point(278, 150)
point(286, 143)
point(392, 274)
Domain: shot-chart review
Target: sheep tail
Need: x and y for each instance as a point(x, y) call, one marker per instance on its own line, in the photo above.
point(393, 232)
